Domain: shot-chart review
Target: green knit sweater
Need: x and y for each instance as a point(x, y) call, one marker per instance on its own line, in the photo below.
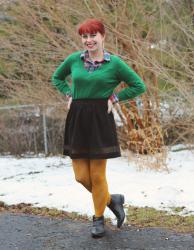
point(99, 83)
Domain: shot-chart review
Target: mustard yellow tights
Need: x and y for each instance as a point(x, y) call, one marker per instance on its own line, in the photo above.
point(91, 173)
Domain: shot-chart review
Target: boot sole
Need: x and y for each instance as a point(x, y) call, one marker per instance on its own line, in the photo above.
point(98, 235)
point(122, 199)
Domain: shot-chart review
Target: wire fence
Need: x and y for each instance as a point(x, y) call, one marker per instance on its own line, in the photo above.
point(32, 129)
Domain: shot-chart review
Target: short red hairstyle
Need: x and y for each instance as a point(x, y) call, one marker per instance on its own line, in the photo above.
point(91, 26)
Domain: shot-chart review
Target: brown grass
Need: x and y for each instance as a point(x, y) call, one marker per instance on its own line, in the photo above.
point(156, 40)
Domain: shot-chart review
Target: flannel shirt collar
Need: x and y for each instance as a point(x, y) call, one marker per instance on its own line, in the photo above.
point(85, 56)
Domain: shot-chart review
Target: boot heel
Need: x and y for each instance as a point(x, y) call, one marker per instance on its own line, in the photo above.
point(122, 199)
point(116, 206)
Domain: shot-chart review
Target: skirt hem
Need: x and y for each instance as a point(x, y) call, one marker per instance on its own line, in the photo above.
point(86, 156)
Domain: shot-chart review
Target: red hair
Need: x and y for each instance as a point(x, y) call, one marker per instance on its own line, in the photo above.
point(91, 26)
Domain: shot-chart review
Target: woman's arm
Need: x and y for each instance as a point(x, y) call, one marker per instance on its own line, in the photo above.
point(136, 86)
point(59, 77)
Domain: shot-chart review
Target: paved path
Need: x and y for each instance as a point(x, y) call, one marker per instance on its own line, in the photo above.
point(30, 232)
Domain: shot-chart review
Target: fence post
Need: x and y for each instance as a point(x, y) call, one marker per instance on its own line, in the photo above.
point(45, 132)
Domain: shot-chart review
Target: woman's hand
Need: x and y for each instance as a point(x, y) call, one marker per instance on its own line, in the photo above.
point(69, 103)
point(113, 99)
point(110, 106)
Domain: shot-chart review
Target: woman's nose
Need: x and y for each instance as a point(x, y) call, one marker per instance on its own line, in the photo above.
point(89, 39)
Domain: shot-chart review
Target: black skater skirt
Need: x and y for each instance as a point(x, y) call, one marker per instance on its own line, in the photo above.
point(90, 132)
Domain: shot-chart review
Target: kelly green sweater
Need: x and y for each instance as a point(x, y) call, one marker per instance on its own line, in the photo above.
point(97, 84)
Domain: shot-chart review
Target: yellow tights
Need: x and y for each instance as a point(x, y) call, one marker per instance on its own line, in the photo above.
point(91, 173)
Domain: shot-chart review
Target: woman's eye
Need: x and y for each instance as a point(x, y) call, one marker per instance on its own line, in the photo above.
point(86, 36)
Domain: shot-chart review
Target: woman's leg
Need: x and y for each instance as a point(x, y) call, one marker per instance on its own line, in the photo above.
point(100, 193)
point(81, 169)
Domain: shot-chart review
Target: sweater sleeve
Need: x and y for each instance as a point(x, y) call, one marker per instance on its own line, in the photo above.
point(136, 86)
point(59, 76)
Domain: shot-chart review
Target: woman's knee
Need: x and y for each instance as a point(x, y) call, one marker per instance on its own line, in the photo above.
point(98, 171)
point(98, 179)
point(81, 170)
point(81, 179)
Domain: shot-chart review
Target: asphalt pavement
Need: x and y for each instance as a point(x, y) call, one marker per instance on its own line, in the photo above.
point(31, 232)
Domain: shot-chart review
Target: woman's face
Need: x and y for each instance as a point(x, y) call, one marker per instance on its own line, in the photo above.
point(92, 42)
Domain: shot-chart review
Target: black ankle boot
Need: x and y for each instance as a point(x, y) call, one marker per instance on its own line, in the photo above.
point(98, 227)
point(116, 206)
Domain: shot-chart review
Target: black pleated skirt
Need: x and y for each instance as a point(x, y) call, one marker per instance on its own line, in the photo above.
point(90, 132)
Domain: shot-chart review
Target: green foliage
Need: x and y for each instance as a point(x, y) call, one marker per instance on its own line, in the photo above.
point(2, 67)
point(3, 32)
point(74, 19)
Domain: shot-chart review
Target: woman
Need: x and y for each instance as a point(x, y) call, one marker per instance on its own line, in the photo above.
point(90, 132)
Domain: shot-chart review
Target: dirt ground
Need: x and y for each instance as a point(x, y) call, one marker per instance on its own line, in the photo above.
point(32, 232)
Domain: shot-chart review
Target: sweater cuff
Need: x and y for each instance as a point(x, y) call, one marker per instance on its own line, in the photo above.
point(114, 98)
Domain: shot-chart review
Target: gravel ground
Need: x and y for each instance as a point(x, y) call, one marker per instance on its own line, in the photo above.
point(30, 232)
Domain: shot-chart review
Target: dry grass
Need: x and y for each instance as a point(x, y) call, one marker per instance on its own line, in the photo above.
point(135, 216)
point(156, 40)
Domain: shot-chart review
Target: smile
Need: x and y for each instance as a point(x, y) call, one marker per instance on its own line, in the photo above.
point(90, 44)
